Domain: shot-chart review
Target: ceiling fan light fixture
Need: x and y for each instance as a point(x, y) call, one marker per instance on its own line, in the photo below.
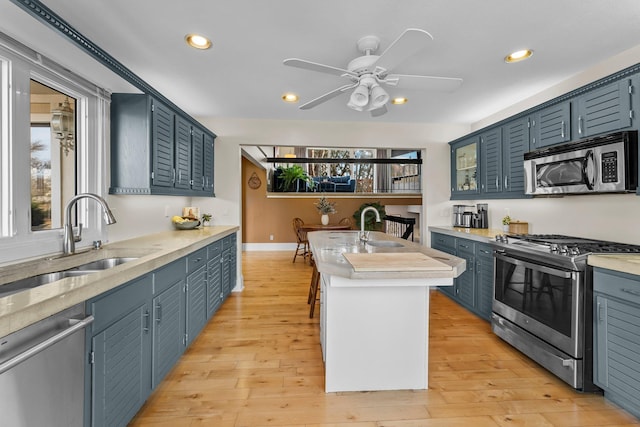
point(290, 97)
point(517, 56)
point(399, 101)
point(379, 97)
point(359, 97)
point(197, 41)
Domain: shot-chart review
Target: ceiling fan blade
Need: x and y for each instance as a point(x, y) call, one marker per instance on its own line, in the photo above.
point(410, 42)
point(326, 96)
point(379, 111)
point(314, 66)
point(441, 84)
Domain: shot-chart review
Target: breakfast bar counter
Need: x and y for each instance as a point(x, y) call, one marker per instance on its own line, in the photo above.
point(374, 308)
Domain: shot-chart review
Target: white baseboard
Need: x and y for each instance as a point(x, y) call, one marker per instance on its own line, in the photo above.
point(269, 246)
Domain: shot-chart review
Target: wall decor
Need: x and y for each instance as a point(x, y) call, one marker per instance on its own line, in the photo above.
point(254, 181)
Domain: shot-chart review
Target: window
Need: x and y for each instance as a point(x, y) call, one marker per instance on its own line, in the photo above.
point(44, 161)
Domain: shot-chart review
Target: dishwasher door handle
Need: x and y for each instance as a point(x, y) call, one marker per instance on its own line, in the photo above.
point(76, 325)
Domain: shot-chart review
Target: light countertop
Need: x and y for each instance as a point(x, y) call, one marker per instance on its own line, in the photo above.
point(153, 251)
point(619, 262)
point(328, 248)
point(478, 234)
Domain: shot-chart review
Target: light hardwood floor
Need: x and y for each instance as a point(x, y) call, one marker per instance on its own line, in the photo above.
point(258, 363)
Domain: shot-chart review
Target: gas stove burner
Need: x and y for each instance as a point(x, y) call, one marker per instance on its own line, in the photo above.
point(566, 246)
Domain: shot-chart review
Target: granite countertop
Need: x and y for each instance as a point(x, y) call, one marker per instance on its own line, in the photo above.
point(152, 251)
point(479, 234)
point(619, 262)
point(328, 248)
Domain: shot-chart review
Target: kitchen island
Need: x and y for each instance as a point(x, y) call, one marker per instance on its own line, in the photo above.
point(374, 308)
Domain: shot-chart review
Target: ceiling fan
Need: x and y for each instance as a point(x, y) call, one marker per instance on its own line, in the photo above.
point(369, 72)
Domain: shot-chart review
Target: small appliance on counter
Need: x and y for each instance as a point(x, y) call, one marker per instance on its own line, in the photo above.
point(469, 219)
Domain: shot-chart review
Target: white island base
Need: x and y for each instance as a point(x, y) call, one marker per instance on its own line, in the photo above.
point(375, 332)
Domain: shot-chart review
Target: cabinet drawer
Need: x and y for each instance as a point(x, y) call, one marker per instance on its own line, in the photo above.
point(466, 246)
point(196, 260)
point(442, 242)
point(620, 285)
point(214, 249)
point(122, 300)
point(168, 275)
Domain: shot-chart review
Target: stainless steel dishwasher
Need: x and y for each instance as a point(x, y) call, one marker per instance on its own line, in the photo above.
point(42, 372)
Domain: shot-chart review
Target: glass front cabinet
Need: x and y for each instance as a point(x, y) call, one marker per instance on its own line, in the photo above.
point(464, 168)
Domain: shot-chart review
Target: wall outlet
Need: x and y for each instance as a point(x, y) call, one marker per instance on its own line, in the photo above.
point(270, 236)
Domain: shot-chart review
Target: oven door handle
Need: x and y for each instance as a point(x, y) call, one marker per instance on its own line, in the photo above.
point(537, 267)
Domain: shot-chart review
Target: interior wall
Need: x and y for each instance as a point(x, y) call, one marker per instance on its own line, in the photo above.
point(264, 217)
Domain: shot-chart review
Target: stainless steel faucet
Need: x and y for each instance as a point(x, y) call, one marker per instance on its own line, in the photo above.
point(365, 236)
point(69, 240)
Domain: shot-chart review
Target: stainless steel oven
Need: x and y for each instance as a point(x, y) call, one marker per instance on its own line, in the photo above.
point(543, 300)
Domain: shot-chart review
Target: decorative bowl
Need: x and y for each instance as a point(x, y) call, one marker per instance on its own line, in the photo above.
point(187, 225)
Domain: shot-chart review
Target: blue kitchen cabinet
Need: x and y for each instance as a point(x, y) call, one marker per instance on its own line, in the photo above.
point(464, 168)
point(215, 296)
point(491, 161)
point(229, 248)
point(168, 318)
point(152, 149)
point(143, 327)
point(616, 359)
point(447, 244)
point(484, 280)
point(473, 289)
point(551, 125)
point(120, 353)
point(515, 145)
point(604, 109)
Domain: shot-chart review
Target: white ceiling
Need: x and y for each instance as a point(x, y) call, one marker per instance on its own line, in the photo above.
point(242, 75)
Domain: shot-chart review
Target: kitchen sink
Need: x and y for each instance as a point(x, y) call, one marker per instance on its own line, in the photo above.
point(385, 243)
point(39, 280)
point(80, 270)
point(104, 264)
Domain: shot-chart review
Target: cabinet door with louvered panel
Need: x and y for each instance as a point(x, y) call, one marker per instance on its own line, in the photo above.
point(168, 330)
point(182, 178)
point(515, 145)
point(163, 127)
point(484, 280)
point(605, 109)
point(491, 161)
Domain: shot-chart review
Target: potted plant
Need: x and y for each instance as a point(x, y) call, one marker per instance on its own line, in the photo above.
point(370, 217)
point(325, 207)
point(206, 219)
point(291, 176)
point(505, 223)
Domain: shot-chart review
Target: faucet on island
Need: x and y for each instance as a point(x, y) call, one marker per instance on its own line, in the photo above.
point(363, 236)
point(69, 240)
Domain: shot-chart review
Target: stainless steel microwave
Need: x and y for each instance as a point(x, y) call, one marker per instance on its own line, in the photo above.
point(605, 164)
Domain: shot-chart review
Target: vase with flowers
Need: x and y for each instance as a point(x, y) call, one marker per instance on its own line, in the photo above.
point(325, 207)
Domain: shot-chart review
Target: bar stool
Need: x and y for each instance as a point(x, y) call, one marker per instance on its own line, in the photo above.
point(313, 287)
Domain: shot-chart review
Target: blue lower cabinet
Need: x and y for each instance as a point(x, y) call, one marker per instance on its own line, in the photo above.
point(473, 289)
point(120, 354)
point(616, 337)
point(143, 327)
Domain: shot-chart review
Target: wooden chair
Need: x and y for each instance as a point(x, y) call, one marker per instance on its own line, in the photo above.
point(301, 237)
point(313, 288)
point(345, 221)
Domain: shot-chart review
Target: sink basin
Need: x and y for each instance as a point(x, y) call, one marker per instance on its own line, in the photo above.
point(39, 280)
point(385, 243)
point(43, 279)
point(104, 264)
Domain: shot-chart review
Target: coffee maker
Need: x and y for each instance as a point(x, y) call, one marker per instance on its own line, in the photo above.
point(469, 219)
point(481, 218)
point(458, 215)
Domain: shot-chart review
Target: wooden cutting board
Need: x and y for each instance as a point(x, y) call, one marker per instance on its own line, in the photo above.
point(395, 261)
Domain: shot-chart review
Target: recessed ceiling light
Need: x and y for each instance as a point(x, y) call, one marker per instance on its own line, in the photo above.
point(399, 101)
point(519, 55)
point(197, 41)
point(290, 97)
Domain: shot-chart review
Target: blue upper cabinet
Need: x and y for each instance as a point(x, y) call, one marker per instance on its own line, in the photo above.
point(153, 149)
point(515, 145)
point(551, 125)
point(604, 109)
point(464, 168)
point(491, 161)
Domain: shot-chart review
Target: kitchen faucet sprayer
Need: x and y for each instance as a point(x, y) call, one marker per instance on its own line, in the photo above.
point(364, 236)
point(69, 239)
